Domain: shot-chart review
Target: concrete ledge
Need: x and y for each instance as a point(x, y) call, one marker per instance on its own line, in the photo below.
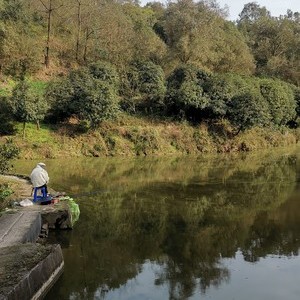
point(28, 271)
point(19, 227)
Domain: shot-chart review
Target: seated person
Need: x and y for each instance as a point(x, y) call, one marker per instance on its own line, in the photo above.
point(39, 176)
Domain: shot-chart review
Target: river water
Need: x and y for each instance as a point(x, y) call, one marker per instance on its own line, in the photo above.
point(210, 227)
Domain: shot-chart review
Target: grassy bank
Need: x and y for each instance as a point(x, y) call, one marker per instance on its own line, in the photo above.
point(131, 136)
point(11, 190)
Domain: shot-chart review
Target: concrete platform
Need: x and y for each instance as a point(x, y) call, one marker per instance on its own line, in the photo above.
point(19, 227)
point(27, 269)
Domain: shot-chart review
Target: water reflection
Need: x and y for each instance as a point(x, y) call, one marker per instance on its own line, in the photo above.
point(182, 217)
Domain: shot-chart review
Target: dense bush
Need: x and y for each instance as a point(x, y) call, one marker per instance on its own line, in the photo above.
point(296, 91)
point(105, 72)
point(217, 90)
point(8, 151)
point(185, 95)
point(88, 93)
point(27, 106)
point(6, 120)
point(281, 100)
point(246, 101)
point(249, 109)
point(143, 87)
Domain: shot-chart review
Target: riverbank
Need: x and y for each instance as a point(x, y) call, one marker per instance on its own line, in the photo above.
point(132, 136)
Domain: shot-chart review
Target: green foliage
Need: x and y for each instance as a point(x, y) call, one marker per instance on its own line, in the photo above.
point(87, 93)
point(273, 42)
point(12, 10)
point(8, 151)
point(249, 109)
point(26, 105)
point(143, 87)
point(218, 92)
point(297, 99)
point(59, 95)
point(280, 97)
point(6, 121)
point(105, 72)
point(197, 95)
point(5, 191)
point(191, 42)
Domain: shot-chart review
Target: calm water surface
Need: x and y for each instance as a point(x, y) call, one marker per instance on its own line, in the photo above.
point(223, 227)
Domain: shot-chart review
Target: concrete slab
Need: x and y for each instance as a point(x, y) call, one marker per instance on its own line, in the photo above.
point(19, 227)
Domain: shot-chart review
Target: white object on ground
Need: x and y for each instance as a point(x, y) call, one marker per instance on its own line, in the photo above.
point(26, 202)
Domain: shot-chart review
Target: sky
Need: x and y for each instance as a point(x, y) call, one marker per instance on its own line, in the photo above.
point(276, 7)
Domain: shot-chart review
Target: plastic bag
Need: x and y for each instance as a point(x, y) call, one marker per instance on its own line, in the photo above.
point(26, 202)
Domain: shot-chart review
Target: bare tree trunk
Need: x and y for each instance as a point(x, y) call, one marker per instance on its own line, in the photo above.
point(79, 21)
point(47, 54)
point(38, 127)
point(49, 10)
point(87, 37)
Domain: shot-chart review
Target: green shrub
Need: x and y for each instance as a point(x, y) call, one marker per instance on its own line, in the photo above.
point(5, 191)
point(88, 93)
point(249, 109)
point(185, 94)
point(6, 120)
point(8, 151)
point(27, 106)
point(218, 91)
point(143, 88)
point(105, 72)
point(281, 100)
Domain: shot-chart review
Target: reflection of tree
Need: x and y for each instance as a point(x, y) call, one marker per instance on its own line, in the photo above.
point(274, 233)
point(184, 215)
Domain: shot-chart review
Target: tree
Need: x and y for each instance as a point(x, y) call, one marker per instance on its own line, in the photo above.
point(217, 91)
point(50, 8)
point(281, 100)
point(252, 12)
point(87, 93)
point(26, 105)
point(232, 53)
point(147, 45)
point(144, 87)
point(274, 42)
point(188, 29)
point(249, 109)
point(185, 95)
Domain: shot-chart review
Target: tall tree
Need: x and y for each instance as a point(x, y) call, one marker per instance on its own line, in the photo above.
point(50, 7)
point(252, 12)
point(274, 42)
point(189, 28)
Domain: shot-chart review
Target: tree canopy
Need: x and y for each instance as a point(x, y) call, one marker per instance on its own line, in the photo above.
point(182, 59)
